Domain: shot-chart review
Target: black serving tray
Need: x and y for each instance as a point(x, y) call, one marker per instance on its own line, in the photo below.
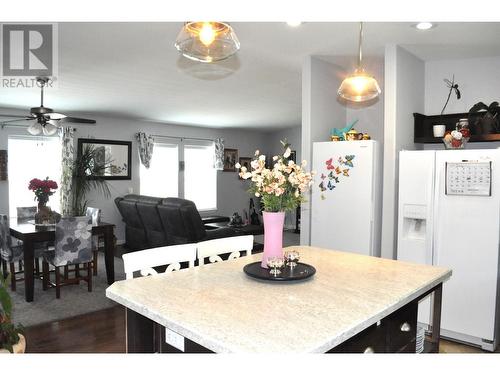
point(301, 271)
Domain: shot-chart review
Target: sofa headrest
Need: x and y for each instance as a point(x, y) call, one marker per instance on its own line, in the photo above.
point(177, 203)
point(142, 198)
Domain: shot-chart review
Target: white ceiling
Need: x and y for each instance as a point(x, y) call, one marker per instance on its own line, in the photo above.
point(133, 70)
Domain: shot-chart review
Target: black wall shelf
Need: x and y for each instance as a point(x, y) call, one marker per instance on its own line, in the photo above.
point(423, 127)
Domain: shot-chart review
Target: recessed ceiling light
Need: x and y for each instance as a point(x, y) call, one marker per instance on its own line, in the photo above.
point(425, 25)
point(294, 23)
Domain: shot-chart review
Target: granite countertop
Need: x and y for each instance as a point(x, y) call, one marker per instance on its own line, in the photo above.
point(222, 309)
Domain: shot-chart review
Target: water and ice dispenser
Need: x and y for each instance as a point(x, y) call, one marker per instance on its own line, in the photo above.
point(414, 221)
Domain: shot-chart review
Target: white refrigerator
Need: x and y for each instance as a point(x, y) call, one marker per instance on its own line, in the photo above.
point(346, 197)
point(449, 216)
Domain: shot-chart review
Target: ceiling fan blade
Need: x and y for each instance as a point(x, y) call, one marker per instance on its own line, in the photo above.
point(55, 116)
point(16, 120)
point(13, 116)
point(77, 119)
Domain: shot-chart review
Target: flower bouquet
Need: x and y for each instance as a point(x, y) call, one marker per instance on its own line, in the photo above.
point(281, 189)
point(43, 189)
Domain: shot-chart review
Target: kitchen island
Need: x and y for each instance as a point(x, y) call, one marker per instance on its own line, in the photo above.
point(354, 303)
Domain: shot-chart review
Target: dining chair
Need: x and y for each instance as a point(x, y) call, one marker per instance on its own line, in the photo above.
point(12, 252)
point(25, 214)
point(143, 261)
point(97, 241)
point(72, 246)
point(213, 249)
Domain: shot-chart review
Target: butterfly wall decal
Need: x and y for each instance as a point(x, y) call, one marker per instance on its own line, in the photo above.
point(348, 160)
point(335, 172)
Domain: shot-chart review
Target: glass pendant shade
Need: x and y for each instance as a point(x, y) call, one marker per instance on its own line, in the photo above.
point(35, 128)
point(359, 87)
point(207, 41)
point(49, 128)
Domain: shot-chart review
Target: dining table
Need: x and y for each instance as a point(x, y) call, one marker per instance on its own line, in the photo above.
point(31, 233)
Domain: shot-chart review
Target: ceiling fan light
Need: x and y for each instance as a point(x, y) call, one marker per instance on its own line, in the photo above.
point(359, 87)
point(49, 129)
point(35, 128)
point(207, 41)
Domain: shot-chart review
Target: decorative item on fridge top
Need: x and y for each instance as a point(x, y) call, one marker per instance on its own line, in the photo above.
point(440, 129)
point(488, 123)
point(335, 171)
point(337, 134)
point(459, 137)
point(281, 189)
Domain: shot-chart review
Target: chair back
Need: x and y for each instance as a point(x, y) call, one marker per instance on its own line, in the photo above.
point(25, 213)
point(212, 249)
point(95, 214)
point(145, 260)
point(5, 239)
point(73, 241)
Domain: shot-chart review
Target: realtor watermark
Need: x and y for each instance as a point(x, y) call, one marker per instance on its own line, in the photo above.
point(28, 51)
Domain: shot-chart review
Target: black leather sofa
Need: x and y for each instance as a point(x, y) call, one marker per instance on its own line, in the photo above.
point(152, 222)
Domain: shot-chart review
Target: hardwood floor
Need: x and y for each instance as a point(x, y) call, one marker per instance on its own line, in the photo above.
point(98, 332)
point(104, 332)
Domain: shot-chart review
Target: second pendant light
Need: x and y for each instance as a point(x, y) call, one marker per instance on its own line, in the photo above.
point(359, 86)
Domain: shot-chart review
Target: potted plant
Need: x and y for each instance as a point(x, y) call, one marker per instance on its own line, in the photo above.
point(11, 338)
point(281, 188)
point(87, 175)
point(487, 123)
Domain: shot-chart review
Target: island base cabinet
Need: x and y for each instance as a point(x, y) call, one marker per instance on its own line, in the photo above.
point(394, 334)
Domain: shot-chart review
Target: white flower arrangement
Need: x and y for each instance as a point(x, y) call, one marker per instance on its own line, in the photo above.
point(281, 188)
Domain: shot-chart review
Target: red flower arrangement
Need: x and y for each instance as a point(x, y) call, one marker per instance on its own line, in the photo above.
point(43, 189)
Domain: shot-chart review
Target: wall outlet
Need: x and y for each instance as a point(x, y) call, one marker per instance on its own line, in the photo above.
point(131, 190)
point(174, 339)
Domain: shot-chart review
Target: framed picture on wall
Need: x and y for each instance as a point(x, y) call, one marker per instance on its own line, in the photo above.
point(245, 162)
point(230, 159)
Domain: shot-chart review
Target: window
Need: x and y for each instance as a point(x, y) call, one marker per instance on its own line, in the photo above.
point(196, 181)
point(200, 176)
point(162, 177)
point(32, 157)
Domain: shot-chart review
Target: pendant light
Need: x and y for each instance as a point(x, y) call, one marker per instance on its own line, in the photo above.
point(207, 41)
point(359, 86)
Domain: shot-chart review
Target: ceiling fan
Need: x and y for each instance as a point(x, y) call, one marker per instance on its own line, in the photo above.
point(46, 120)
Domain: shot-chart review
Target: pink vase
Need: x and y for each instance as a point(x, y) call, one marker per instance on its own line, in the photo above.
point(273, 235)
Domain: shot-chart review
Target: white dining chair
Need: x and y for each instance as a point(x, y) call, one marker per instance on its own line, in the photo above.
point(212, 249)
point(144, 260)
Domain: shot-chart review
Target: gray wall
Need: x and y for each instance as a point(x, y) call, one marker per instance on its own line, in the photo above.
point(232, 193)
point(478, 80)
point(404, 95)
point(320, 112)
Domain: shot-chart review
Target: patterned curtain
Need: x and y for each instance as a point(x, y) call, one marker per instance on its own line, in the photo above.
point(67, 136)
point(145, 145)
point(219, 154)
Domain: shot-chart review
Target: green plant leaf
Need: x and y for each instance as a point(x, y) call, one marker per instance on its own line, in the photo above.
point(478, 107)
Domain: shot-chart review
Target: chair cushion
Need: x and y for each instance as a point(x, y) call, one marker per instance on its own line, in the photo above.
point(14, 254)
